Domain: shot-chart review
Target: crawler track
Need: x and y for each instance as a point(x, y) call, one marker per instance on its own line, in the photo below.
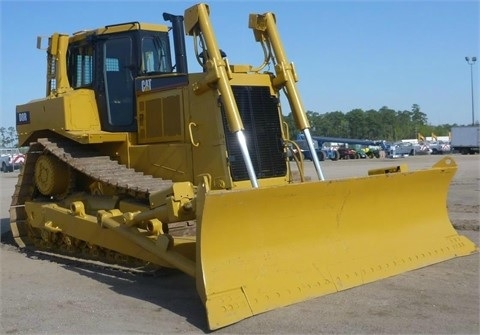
point(88, 163)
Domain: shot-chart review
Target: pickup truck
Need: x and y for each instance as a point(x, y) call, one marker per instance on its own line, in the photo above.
point(11, 159)
point(403, 149)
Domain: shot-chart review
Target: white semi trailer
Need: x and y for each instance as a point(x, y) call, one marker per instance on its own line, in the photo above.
point(465, 139)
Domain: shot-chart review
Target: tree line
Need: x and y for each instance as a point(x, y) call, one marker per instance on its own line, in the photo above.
point(383, 124)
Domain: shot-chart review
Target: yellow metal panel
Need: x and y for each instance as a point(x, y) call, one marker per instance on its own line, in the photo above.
point(73, 111)
point(260, 249)
point(44, 114)
point(210, 155)
point(170, 161)
point(92, 137)
point(249, 80)
point(81, 111)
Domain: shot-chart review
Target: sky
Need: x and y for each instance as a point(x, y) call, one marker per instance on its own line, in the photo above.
point(347, 54)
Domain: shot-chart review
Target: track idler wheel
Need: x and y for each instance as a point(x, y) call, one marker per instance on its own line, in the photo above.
point(52, 176)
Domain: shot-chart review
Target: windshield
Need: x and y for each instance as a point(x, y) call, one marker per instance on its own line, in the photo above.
point(155, 55)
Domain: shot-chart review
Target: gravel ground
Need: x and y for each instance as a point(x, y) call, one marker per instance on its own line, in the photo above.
point(46, 295)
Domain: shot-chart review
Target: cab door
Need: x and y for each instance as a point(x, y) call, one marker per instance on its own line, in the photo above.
point(116, 87)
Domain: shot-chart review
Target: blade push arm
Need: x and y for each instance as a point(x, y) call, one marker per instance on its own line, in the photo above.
point(197, 22)
point(265, 30)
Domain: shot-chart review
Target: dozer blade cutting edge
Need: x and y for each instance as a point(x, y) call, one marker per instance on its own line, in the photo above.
point(264, 248)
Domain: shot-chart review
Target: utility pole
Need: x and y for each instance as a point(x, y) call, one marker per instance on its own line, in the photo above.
point(471, 63)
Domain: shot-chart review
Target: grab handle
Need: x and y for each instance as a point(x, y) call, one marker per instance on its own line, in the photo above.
point(195, 144)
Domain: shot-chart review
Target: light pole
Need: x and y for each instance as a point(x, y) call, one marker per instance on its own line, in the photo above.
point(474, 59)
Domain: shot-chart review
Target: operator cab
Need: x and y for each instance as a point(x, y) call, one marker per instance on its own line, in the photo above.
point(110, 60)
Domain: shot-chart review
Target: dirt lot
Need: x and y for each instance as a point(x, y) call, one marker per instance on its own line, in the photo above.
point(41, 295)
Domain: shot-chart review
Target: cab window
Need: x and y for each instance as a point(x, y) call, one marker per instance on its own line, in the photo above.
point(80, 66)
point(155, 55)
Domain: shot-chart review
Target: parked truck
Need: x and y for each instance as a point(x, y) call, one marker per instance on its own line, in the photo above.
point(11, 159)
point(322, 153)
point(465, 139)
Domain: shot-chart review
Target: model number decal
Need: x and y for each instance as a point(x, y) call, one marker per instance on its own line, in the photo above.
point(23, 118)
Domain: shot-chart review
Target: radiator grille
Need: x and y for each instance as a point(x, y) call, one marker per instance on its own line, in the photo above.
point(259, 112)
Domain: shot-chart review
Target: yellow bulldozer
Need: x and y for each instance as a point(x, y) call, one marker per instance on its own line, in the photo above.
point(135, 161)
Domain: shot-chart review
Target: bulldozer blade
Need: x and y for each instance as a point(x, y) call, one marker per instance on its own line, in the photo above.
point(261, 249)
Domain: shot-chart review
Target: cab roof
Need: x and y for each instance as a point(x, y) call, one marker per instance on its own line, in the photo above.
point(117, 28)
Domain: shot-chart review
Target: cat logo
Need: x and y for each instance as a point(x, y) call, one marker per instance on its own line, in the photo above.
point(146, 85)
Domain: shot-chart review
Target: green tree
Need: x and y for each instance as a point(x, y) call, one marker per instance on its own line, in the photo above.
point(442, 130)
point(405, 127)
point(8, 137)
point(292, 128)
point(357, 123)
point(335, 124)
point(418, 118)
point(388, 120)
point(374, 125)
